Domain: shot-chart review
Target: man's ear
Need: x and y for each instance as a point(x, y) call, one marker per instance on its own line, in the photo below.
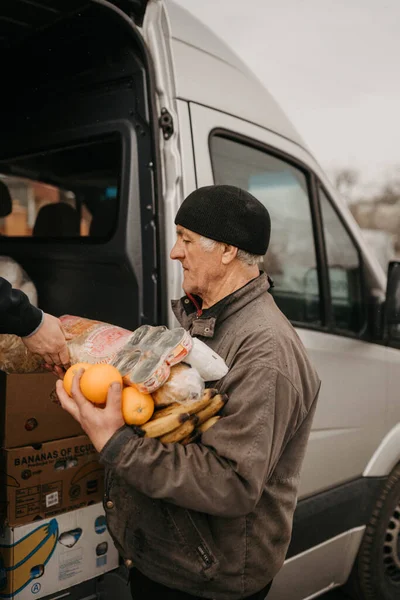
point(229, 254)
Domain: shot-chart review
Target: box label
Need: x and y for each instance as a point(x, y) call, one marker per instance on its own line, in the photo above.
point(52, 499)
point(52, 494)
point(71, 564)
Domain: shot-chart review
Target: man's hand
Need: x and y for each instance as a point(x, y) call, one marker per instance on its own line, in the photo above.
point(99, 424)
point(49, 342)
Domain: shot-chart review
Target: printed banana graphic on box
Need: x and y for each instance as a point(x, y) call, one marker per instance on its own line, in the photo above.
point(24, 561)
point(41, 558)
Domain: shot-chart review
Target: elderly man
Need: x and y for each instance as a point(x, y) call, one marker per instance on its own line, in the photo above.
point(213, 519)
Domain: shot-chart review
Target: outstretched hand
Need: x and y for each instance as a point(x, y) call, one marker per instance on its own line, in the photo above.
point(98, 423)
point(49, 342)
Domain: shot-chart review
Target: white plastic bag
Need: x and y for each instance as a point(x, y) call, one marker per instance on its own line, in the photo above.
point(15, 274)
point(208, 363)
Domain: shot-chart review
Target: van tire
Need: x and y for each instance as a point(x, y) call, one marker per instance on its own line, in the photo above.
point(376, 572)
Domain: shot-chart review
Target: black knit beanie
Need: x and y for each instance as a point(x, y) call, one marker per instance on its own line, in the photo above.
point(227, 214)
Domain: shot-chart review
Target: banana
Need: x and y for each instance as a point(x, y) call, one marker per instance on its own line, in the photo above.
point(180, 432)
point(199, 429)
point(26, 559)
point(207, 424)
point(192, 437)
point(175, 417)
point(165, 411)
point(159, 427)
point(204, 415)
point(208, 397)
point(213, 407)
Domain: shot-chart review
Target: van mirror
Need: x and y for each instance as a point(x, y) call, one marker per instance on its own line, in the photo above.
point(392, 305)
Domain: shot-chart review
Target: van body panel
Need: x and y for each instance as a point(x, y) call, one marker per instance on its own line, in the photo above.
point(186, 28)
point(204, 66)
point(319, 569)
point(200, 77)
point(386, 456)
point(349, 421)
point(393, 384)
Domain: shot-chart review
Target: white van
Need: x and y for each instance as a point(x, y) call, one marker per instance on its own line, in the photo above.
point(117, 110)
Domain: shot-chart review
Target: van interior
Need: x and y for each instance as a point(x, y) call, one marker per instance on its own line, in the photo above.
point(77, 190)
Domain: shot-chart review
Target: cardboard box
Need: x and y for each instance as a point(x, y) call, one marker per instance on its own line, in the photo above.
point(46, 480)
point(84, 591)
point(27, 413)
point(42, 558)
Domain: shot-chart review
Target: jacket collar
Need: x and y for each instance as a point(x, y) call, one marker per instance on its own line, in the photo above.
point(204, 324)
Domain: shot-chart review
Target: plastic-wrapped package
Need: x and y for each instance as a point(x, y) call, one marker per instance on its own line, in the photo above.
point(183, 385)
point(93, 341)
point(146, 360)
point(144, 357)
point(208, 363)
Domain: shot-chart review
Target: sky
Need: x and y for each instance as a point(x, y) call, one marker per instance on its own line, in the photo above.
point(333, 65)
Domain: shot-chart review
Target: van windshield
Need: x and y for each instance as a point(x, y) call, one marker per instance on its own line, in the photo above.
point(69, 192)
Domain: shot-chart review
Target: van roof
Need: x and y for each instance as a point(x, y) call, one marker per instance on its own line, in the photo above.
point(205, 65)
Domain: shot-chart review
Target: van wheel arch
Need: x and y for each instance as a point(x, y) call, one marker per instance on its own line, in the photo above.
point(376, 571)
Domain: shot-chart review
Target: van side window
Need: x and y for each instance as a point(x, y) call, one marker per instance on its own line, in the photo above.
point(344, 269)
point(69, 192)
point(283, 189)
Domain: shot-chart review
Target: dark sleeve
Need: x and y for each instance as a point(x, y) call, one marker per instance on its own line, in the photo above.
point(17, 315)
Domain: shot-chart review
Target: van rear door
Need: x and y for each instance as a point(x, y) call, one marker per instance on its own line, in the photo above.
point(78, 147)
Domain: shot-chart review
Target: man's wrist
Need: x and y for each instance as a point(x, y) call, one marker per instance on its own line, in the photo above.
point(115, 443)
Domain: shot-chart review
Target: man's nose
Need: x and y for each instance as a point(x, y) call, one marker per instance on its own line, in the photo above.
point(177, 251)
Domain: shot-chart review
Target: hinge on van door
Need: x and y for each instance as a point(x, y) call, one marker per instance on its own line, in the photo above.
point(166, 123)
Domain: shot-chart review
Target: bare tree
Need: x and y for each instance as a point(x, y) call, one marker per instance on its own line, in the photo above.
point(390, 190)
point(345, 181)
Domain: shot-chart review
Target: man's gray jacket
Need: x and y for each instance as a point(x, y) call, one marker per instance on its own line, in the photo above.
point(214, 519)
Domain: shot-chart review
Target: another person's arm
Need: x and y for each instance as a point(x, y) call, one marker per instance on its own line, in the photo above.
point(17, 315)
point(41, 333)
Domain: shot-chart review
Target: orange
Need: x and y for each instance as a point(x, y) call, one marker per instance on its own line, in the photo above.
point(137, 408)
point(96, 380)
point(70, 374)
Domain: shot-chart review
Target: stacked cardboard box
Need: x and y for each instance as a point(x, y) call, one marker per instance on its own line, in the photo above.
point(46, 557)
point(51, 487)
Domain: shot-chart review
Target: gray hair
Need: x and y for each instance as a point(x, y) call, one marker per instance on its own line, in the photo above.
point(242, 255)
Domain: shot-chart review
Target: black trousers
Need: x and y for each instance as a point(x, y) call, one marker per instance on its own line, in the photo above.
point(143, 588)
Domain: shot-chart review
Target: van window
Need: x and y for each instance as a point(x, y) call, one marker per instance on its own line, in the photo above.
point(344, 269)
point(283, 189)
point(69, 192)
